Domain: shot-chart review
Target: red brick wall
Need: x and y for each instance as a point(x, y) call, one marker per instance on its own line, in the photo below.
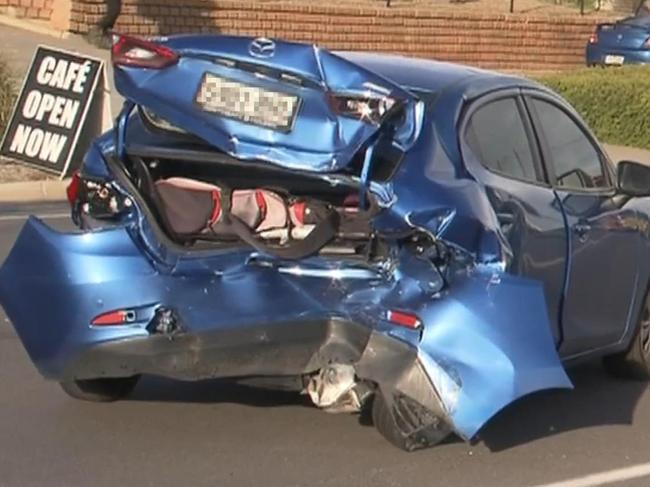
point(31, 9)
point(494, 41)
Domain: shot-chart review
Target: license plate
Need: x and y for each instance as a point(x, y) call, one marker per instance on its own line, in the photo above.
point(616, 60)
point(247, 103)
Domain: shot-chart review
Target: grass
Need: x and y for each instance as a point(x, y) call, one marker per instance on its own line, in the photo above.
point(615, 102)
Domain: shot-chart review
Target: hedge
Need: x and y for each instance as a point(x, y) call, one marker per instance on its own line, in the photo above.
point(615, 102)
point(7, 95)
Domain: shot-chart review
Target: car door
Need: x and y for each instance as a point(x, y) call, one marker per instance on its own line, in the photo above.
point(604, 245)
point(500, 150)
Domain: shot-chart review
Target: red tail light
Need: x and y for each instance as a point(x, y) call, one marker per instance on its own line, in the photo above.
point(593, 39)
point(73, 188)
point(112, 318)
point(131, 51)
point(407, 320)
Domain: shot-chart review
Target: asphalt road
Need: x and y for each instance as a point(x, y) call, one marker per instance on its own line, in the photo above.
point(218, 434)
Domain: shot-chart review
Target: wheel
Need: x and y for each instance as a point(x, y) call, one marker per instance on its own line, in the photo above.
point(100, 390)
point(406, 424)
point(635, 362)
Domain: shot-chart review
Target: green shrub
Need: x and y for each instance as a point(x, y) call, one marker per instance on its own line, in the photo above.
point(7, 95)
point(615, 102)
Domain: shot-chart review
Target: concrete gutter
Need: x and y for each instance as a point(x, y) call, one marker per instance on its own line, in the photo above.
point(29, 191)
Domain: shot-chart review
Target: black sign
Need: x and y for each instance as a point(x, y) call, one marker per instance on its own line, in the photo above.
point(51, 109)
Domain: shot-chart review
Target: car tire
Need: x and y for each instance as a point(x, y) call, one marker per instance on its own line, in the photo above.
point(100, 390)
point(384, 420)
point(635, 362)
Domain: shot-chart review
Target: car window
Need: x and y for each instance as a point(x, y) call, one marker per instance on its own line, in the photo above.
point(496, 135)
point(577, 162)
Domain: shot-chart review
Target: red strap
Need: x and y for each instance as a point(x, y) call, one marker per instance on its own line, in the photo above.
point(216, 209)
point(299, 210)
point(261, 204)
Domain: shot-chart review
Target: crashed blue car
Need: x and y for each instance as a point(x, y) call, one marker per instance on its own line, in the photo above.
point(423, 241)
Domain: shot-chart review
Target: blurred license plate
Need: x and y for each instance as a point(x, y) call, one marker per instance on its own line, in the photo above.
point(611, 59)
point(247, 103)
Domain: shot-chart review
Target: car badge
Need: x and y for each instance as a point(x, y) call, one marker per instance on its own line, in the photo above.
point(262, 47)
point(619, 37)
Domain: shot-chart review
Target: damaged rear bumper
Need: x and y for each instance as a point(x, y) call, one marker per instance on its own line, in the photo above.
point(484, 340)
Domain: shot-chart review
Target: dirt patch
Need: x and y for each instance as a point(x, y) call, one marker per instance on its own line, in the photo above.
point(11, 172)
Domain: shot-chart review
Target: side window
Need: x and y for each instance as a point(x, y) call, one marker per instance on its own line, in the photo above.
point(575, 159)
point(497, 136)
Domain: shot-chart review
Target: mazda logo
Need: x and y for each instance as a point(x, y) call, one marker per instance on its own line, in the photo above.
point(262, 47)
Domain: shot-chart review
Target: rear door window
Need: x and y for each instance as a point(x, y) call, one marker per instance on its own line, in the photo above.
point(497, 136)
point(575, 159)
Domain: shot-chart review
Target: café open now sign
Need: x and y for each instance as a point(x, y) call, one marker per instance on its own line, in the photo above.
point(59, 110)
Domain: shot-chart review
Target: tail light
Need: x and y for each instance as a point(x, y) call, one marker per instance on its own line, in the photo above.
point(364, 108)
point(407, 320)
point(593, 38)
point(96, 198)
point(72, 191)
point(138, 53)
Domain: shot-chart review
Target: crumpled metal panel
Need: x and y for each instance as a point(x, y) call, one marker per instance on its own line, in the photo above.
point(320, 140)
point(485, 341)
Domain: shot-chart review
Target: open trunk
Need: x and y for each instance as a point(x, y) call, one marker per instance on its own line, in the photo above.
point(295, 135)
point(228, 204)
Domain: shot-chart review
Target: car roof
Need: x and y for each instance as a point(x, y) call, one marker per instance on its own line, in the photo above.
point(430, 75)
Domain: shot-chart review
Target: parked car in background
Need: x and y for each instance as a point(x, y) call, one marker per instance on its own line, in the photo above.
point(425, 241)
point(626, 41)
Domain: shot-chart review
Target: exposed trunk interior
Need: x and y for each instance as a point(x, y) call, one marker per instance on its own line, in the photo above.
point(323, 203)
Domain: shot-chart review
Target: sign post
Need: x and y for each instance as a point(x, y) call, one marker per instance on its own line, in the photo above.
point(62, 106)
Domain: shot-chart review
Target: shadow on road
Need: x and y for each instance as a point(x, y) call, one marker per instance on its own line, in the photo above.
point(598, 400)
point(158, 389)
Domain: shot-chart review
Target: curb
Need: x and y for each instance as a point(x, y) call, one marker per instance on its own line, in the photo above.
point(25, 191)
point(32, 26)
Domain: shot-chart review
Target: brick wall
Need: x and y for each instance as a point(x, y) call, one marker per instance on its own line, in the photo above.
point(513, 42)
point(30, 9)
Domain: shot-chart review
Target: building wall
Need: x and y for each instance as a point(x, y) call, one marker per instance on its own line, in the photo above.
point(30, 9)
point(499, 41)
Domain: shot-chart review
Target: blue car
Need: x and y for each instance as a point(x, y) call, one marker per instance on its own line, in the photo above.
point(626, 41)
point(421, 241)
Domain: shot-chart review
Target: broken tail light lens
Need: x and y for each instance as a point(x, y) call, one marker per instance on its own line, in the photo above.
point(72, 191)
point(96, 198)
point(138, 53)
point(402, 318)
point(364, 108)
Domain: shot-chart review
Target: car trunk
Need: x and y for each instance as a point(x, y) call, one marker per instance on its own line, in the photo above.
point(289, 214)
point(294, 137)
point(627, 34)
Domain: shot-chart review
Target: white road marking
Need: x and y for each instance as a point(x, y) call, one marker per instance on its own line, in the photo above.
point(48, 216)
point(605, 478)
